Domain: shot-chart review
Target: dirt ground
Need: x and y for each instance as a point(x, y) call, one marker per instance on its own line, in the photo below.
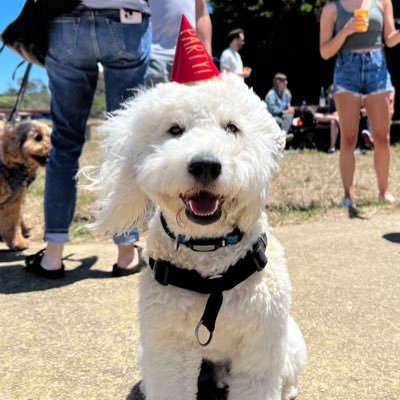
point(76, 339)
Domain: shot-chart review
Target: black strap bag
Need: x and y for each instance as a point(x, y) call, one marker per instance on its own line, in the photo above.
point(28, 33)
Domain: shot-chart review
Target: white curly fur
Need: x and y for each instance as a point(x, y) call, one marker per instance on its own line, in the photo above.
point(147, 165)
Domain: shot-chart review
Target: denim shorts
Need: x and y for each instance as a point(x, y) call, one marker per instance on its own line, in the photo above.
point(361, 73)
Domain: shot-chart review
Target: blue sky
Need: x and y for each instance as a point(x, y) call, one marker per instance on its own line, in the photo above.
point(8, 59)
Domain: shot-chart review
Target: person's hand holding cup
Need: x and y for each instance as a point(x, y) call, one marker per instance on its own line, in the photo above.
point(246, 72)
point(361, 20)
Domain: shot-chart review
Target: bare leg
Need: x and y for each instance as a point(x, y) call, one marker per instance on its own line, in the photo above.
point(334, 129)
point(52, 257)
point(333, 121)
point(128, 257)
point(378, 111)
point(348, 106)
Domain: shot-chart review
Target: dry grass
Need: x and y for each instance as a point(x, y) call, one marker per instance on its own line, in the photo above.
point(307, 187)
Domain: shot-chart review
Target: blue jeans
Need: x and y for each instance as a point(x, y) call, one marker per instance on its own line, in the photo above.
point(77, 42)
point(361, 73)
point(284, 121)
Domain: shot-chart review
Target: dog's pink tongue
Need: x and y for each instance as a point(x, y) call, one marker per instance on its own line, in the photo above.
point(203, 206)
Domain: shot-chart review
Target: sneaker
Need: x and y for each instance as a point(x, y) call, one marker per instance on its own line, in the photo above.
point(347, 202)
point(367, 137)
point(388, 198)
point(289, 137)
point(331, 150)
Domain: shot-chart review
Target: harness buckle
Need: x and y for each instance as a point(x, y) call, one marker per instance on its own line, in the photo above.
point(201, 248)
point(161, 272)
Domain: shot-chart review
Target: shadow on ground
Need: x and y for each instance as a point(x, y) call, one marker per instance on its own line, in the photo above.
point(355, 213)
point(15, 279)
point(135, 393)
point(393, 237)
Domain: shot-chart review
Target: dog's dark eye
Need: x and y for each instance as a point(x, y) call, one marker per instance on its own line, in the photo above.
point(231, 128)
point(38, 137)
point(175, 130)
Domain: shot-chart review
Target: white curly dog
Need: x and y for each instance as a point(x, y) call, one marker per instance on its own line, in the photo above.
point(204, 154)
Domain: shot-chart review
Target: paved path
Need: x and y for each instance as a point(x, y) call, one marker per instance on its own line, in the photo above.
point(76, 339)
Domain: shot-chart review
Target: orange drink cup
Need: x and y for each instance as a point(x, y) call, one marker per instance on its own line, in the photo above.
point(246, 71)
point(361, 19)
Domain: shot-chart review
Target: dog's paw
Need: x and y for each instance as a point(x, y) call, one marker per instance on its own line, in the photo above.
point(19, 244)
point(290, 393)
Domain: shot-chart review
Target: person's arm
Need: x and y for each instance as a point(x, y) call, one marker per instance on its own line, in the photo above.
point(290, 109)
point(329, 43)
point(203, 24)
point(390, 34)
point(289, 97)
point(273, 105)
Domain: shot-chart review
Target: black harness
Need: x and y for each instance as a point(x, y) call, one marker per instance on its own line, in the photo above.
point(203, 244)
point(16, 178)
point(168, 274)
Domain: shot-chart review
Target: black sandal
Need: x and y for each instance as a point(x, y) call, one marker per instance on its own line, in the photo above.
point(118, 271)
point(33, 265)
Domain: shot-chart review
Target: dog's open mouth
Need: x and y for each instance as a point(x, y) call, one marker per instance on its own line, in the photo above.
point(40, 159)
point(203, 208)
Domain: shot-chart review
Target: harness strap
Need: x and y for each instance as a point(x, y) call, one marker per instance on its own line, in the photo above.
point(203, 244)
point(16, 178)
point(168, 274)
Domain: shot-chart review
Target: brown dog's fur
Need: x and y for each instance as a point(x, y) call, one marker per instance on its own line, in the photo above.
point(23, 149)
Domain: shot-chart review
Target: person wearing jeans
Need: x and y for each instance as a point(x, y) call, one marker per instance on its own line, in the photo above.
point(120, 40)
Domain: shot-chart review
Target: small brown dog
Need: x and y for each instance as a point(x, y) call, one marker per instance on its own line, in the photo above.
point(23, 149)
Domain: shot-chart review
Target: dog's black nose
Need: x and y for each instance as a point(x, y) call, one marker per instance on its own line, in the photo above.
point(205, 169)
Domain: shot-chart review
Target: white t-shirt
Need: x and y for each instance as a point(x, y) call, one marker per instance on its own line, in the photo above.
point(166, 16)
point(231, 61)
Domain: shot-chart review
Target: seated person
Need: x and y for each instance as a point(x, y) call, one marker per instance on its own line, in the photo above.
point(278, 101)
point(366, 142)
point(331, 117)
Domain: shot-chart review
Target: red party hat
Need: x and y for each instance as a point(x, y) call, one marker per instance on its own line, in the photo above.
point(192, 62)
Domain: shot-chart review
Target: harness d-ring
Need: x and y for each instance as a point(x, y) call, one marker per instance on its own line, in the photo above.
point(196, 331)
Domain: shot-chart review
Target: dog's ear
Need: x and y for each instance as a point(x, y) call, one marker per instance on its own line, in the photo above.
point(121, 203)
point(11, 139)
